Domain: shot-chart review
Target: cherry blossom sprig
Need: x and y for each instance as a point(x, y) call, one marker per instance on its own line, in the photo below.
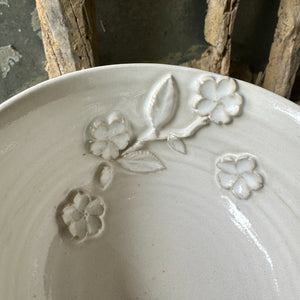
point(217, 101)
point(110, 139)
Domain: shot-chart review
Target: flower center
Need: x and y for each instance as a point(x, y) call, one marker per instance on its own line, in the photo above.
point(216, 100)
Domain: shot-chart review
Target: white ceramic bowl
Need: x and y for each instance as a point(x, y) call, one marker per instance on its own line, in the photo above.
point(149, 182)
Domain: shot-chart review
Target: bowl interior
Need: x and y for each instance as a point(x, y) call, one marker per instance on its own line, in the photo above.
point(172, 234)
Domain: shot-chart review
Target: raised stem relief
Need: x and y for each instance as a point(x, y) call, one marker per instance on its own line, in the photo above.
point(177, 133)
point(239, 173)
point(193, 126)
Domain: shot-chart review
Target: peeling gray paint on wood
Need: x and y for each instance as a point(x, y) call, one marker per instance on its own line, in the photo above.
point(8, 57)
point(16, 30)
point(4, 2)
point(35, 23)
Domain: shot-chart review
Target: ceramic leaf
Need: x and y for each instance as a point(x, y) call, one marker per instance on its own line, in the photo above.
point(141, 162)
point(176, 144)
point(105, 175)
point(162, 103)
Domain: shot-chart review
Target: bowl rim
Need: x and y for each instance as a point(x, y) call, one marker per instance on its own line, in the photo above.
point(283, 104)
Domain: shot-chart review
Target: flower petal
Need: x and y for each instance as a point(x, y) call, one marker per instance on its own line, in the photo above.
point(240, 189)
point(71, 214)
point(121, 140)
point(115, 128)
point(115, 116)
point(81, 201)
point(208, 89)
point(226, 86)
point(94, 224)
point(254, 180)
point(95, 207)
point(226, 180)
point(78, 229)
point(110, 152)
point(228, 165)
point(245, 164)
point(105, 175)
point(101, 132)
point(232, 103)
point(205, 106)
point(219, 115)
point(97, 147)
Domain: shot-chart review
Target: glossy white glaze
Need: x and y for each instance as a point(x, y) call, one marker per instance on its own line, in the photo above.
point(176, 233)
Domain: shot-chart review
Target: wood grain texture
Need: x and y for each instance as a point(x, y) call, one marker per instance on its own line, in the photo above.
point(218, 28)
point(219, 24)
point(284, 56)
point(69, 35)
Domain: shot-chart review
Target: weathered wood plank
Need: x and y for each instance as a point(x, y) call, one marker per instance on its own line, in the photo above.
point(284, 56)
point(218, 28)
point(69, 35)
point(219, 23)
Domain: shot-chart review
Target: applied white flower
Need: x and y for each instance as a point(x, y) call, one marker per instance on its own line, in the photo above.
point(108, 137)
point(239, 174)
point(83, 215)
point(219, 100)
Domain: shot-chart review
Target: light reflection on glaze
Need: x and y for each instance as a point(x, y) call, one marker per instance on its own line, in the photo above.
point(291, 112)
point(244, 225)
